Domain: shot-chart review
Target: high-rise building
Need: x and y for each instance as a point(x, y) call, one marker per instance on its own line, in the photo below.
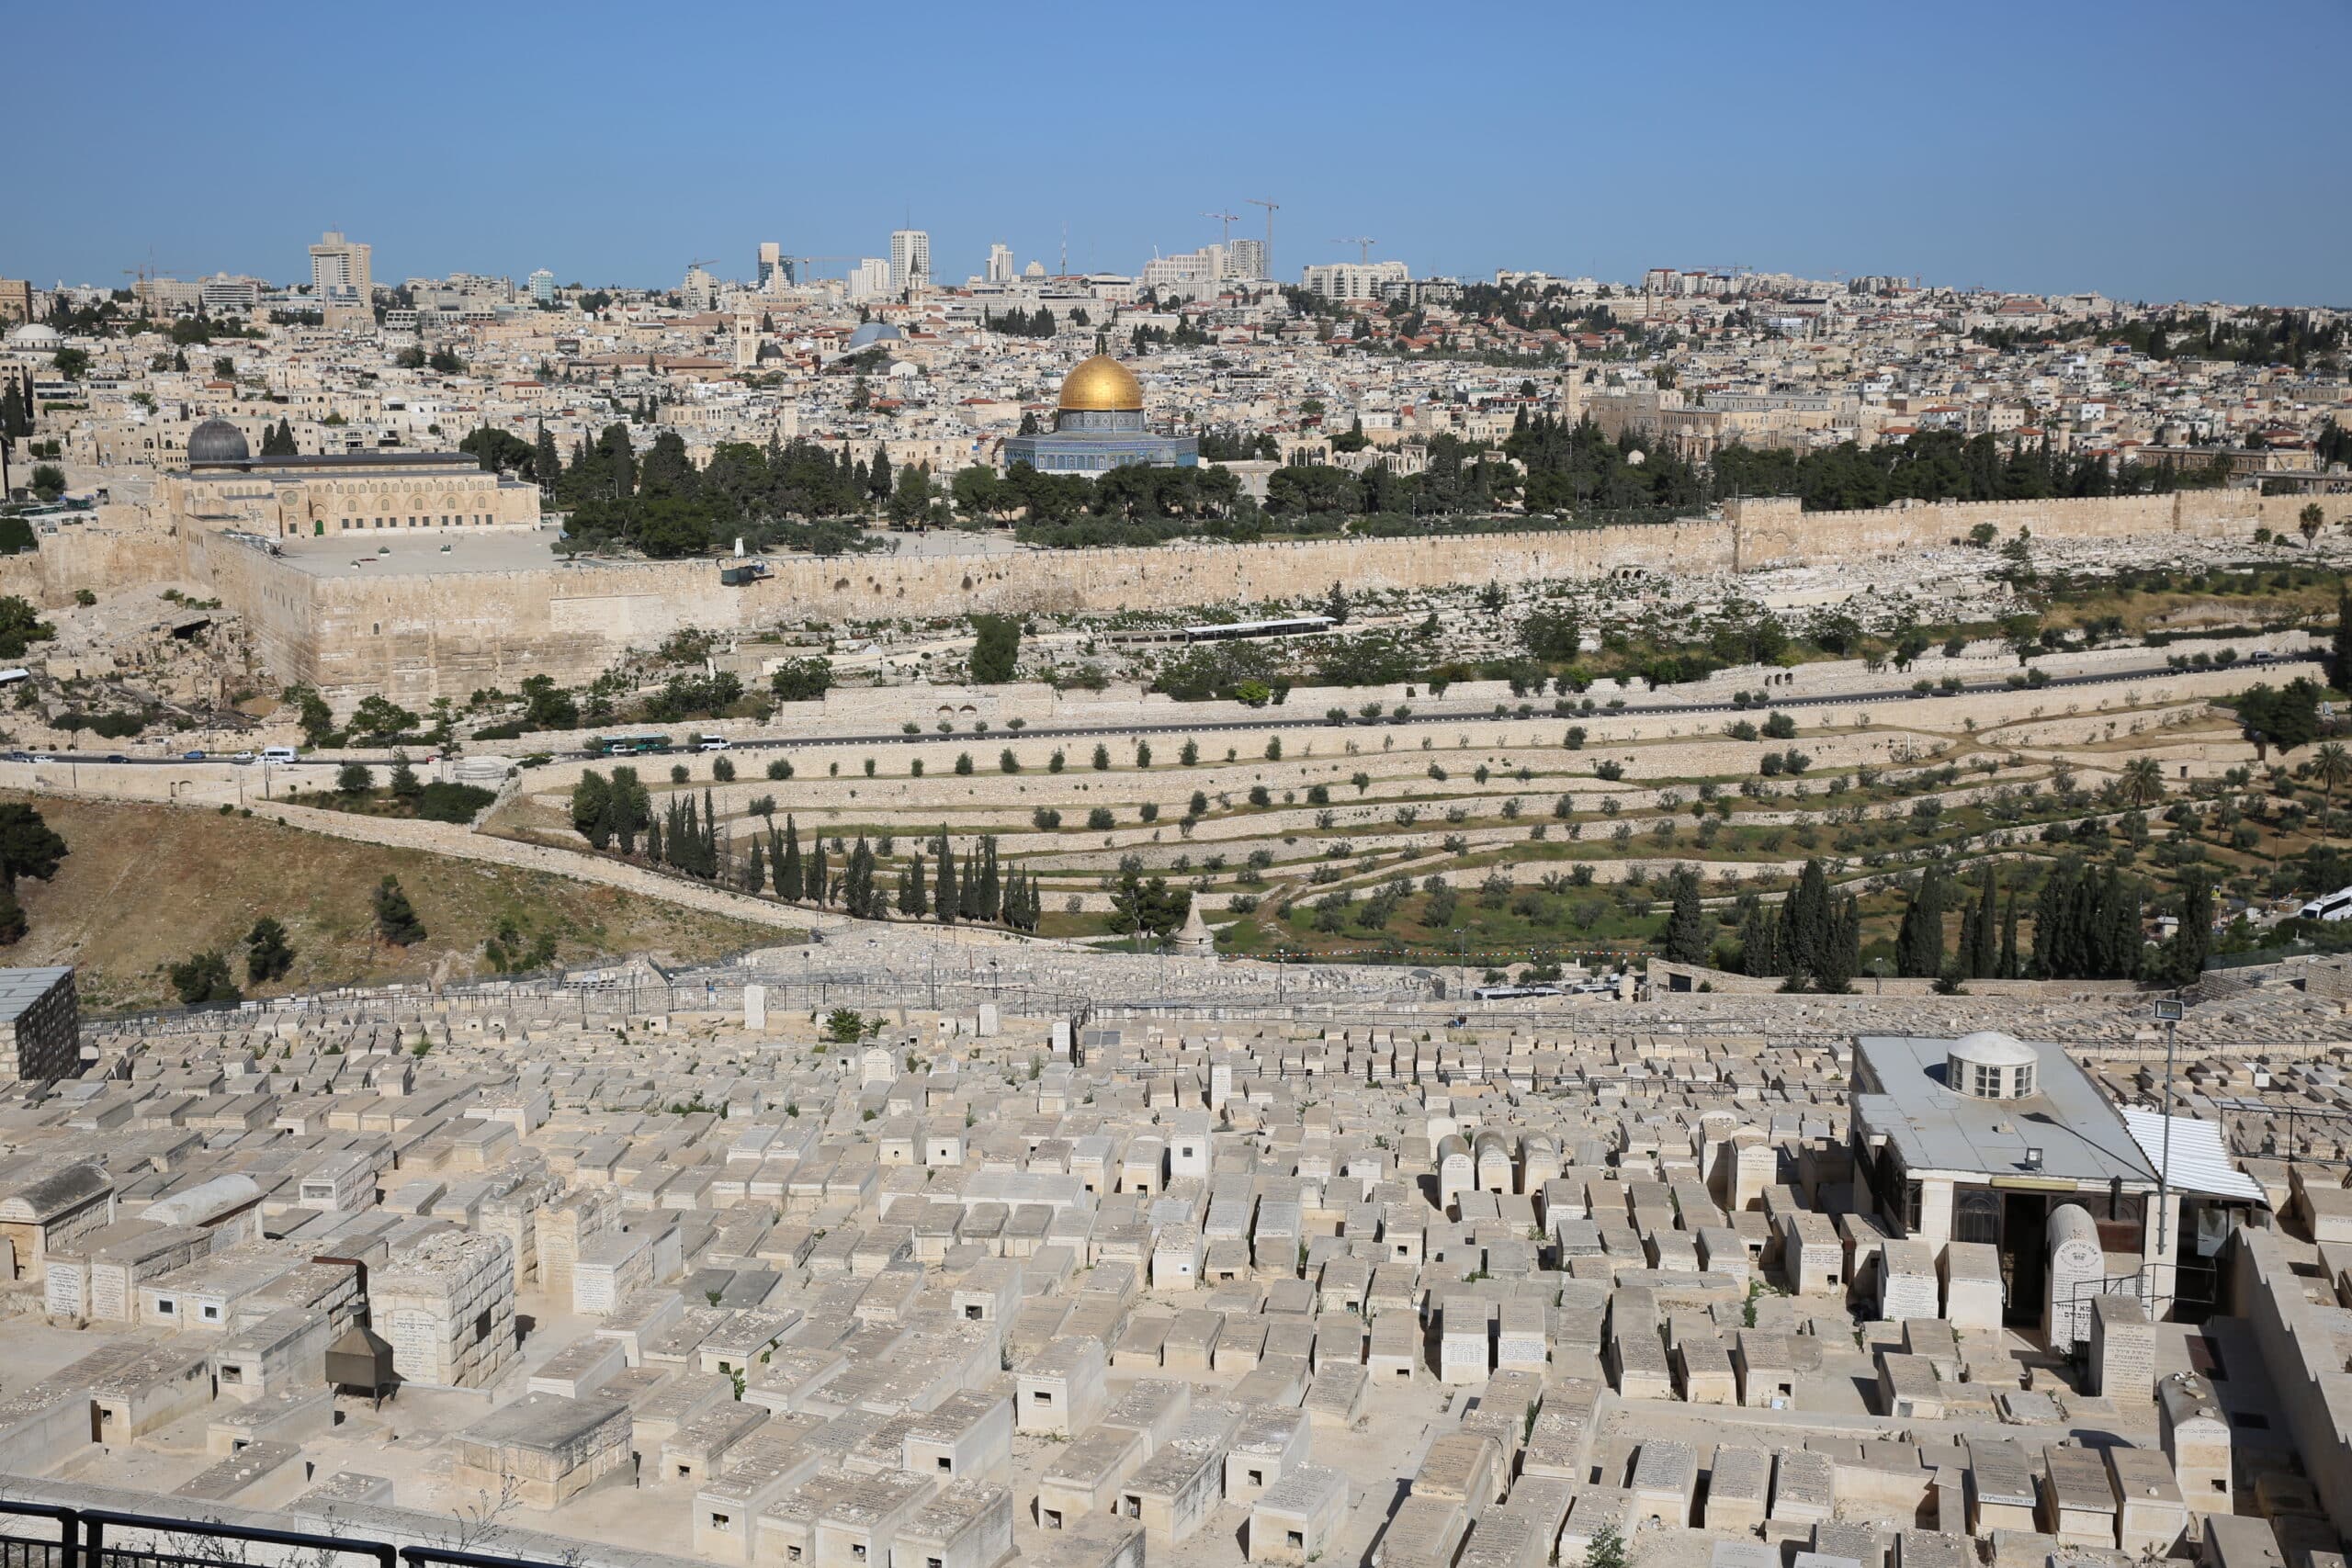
point(700, 288)
point(542, 283)
point(999, 262)
point(772, 262)
point(1246, 259)
point(869, 280)
point(909, 260)
point(1352, 280)
point(343, 280)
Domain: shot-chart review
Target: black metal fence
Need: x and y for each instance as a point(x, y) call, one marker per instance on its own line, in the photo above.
point(41, 1535)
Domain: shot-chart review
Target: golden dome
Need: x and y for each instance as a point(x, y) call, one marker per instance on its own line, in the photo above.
point(1102, 384)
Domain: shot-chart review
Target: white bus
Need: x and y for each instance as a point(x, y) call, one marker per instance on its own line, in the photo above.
point(2335, 906)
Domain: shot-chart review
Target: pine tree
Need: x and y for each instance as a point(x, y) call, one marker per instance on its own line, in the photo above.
point(396, 921)
point(789, 885)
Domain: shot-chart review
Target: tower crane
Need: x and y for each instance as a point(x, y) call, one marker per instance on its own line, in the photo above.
point(702, 261)
point(1270, 208)
point(1363, 243)
point(1230, 219)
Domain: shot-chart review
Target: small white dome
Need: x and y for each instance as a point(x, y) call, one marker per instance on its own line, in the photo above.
point(1991, 1048)
point(36, 334)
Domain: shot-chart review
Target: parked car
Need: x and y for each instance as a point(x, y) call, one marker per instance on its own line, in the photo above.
point(191, 756)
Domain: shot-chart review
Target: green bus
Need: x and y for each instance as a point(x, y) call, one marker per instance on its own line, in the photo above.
point(628, 745)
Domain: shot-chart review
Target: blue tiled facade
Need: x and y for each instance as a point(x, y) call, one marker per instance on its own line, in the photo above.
point(1095, 441)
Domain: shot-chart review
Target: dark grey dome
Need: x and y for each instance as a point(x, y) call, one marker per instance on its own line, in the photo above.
point(217, 441)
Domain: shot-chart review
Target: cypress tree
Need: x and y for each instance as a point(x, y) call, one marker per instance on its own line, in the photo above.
point(992, 887)
point(1685, 941)
point(2339, 660)
point(946, 903)
point(817, 889)
point(968, 882)
point(652, 842)
point(2009, 970)
point(754, 866)
point(1841, 954)
point(1982, 954)
point(1919, 941)
point(547, 466)
point(709, 837)
point(790, 883)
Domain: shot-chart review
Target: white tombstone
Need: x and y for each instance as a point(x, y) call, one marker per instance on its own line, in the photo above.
point(2077, 1272)
point(987, 1021)
point(756, 1009)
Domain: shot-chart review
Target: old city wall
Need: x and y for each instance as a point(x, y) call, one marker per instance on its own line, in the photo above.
point(1776, 531)
point(420, 636)
point(275, 601)
point(416, 637)
point(116, 551)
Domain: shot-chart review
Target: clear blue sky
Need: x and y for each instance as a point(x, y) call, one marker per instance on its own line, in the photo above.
point(2145, 148)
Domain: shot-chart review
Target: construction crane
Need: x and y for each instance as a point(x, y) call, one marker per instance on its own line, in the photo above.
point(799, 270)
point(145, 273)
point(1230, 219)
point(1270, 208)
point(1363, 243)
point(702, 261)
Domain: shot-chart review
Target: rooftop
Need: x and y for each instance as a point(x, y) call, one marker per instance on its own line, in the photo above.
point(1933, 1128)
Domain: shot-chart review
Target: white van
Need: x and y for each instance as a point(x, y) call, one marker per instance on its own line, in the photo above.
point(279, 754)
point(710, 743)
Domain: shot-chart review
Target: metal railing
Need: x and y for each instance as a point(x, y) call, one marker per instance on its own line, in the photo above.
point(99, 1538)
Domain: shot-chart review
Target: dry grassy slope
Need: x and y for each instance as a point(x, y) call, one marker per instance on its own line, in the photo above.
point(147, 885)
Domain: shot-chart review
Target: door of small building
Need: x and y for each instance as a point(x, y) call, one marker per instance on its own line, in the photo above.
point(2025, 1223)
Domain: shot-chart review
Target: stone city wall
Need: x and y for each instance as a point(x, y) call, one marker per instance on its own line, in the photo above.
point(415, 637)
point(116, 552)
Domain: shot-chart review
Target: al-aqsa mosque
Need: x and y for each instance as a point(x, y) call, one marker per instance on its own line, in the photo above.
point(1099, 426)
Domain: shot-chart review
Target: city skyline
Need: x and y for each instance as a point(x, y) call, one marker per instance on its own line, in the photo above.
point(2023, 179)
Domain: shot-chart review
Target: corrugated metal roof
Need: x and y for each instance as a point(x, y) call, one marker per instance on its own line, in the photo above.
point(2199, 1163)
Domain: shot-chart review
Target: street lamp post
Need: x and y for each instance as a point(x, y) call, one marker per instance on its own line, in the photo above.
point(2169, 1014)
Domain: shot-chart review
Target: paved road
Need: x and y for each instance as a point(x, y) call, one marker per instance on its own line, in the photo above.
point(1283, 719)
